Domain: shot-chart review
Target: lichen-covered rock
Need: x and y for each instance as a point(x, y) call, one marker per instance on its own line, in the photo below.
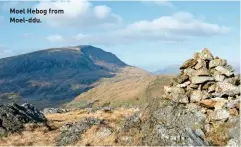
point(190, 72)
point(172, 126)
point(202, 72)
point(201, 64)
point(212, 88)
point(185, 84)
point(217, 62)
point(54, 110)
point(219, 77)
point(103, 132)
point(234, 80)
point(224, 71)
point(206, 54)
point(125, 140)
point(72, 132)
point(224, 88)
point(200, 80)
point(188, 63)
point(196, 96)
point(220, 114)
point(178, 95)
point(14, 116)
point(181, 78)
point(133, 121)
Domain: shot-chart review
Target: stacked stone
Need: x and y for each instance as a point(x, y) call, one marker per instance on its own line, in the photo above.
point(208, 82)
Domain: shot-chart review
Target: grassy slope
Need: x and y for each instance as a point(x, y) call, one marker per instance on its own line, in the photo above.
point(127, 88)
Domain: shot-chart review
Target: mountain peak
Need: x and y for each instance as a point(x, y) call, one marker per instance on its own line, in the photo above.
point(56, 74)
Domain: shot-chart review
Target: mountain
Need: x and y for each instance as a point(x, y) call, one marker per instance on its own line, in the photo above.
point(172, 69)
point(237, 69)
point(54, 76)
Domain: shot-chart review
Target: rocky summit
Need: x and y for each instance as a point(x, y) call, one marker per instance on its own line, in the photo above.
point(208, 83)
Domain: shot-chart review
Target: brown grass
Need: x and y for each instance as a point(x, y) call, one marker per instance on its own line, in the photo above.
point(38, 136)
point(127, 87)
point(41, 135)
point(91, 138)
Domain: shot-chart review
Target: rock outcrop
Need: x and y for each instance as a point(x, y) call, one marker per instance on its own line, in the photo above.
point(13, 117)
point(54, 110)
point(70, 133)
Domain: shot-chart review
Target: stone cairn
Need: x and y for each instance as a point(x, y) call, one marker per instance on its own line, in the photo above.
point(209, 82)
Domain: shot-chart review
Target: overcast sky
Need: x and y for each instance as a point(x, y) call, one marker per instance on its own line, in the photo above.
point(150, 35)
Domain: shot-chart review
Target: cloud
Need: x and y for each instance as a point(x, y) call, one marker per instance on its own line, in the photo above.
point(4, 52)
point(163, 3)
point(180, 26)
point(79, 13)
point(55, 38)
point(180, 23)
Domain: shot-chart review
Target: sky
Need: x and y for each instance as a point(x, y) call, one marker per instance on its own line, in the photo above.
point(148, 34)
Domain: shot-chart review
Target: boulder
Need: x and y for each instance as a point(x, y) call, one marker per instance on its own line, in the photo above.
point(220, 103)
point(190, 72)
point(217, 62)
point(193, 86)
point(221, 114)
point(207, 85)
point(185, 84)
point(224, 88)
point(229, 67)
point(224, 71)
point(208, 103)
point(233, 103)
point(198, 95)
point(178, 95)
point(188, 63)
point(212, 88)
point(201, 64)
point(219, 77)
point(200, 80)
point(181, 78)
point(234, 80)
point(206, 54)
point(202, 72)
